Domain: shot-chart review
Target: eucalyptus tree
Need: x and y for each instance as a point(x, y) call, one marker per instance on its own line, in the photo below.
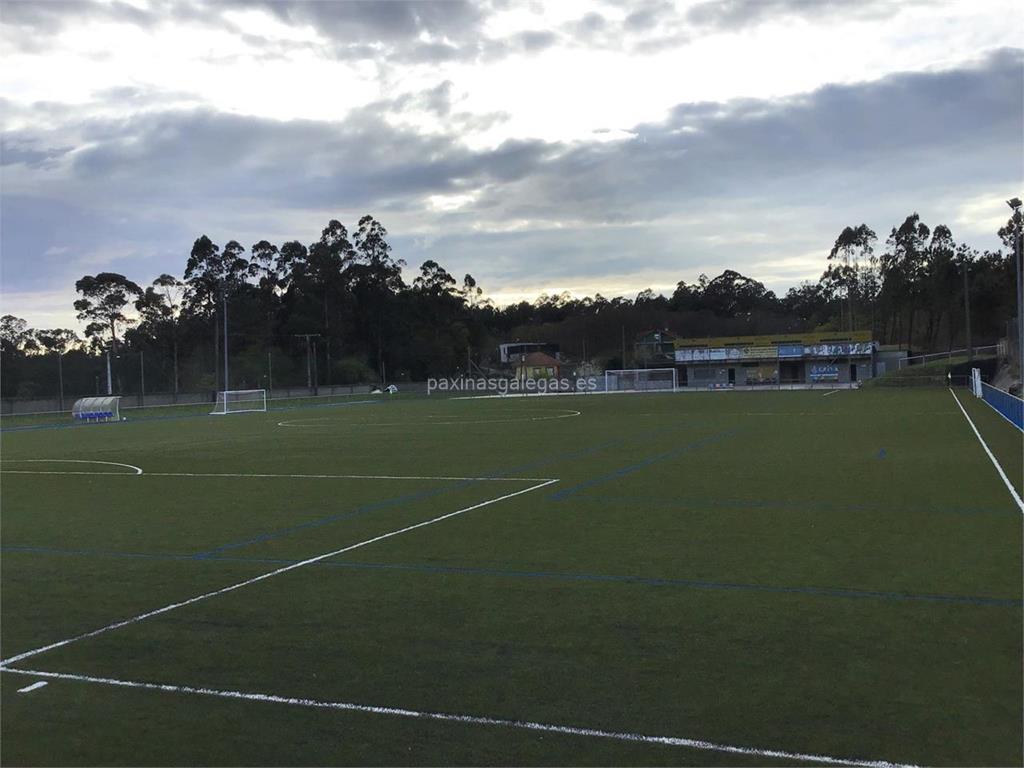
point(105, 296)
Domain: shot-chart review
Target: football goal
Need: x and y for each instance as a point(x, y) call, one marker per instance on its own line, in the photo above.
point(240, 401)
point(641, 380)
point(97, 409)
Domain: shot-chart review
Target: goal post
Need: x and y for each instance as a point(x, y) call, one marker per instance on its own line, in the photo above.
point(240, 401)
point(976, 382)
point(641, 380)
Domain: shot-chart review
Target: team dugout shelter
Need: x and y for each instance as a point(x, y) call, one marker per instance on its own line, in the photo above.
point(831, 358)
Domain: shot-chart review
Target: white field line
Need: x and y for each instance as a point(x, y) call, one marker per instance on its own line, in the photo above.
point(33, 687)
point(992, 458)
point(528, 725)
point(137, 470)
point(832, 392)
point(788, 414)
point(276, 572)
point(260, 475)
point(345, 477)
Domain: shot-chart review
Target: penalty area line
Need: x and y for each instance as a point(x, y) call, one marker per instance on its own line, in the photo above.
point(135, 470)
point(995, 463)
point(526, 725)
point(276, 572)
point(263, 475)
point(344, 477)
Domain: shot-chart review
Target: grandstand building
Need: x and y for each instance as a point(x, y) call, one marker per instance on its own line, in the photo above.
point(777, 359)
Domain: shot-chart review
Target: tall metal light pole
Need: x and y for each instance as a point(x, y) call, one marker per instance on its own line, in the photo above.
point(226, 387)
point(60, 379)
point(1018, 235)
point(967, 312)
point(110, 379)
point(309, 357)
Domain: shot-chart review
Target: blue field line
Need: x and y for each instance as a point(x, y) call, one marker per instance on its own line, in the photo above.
point(631, 468)
point(553, 575)
point(89, 552)
point(689, 502)
point(364, 509)
point(395, 501)
point(449, 486)
point(398, 500)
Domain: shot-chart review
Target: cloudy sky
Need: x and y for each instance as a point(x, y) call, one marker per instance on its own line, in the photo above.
point(581, 146)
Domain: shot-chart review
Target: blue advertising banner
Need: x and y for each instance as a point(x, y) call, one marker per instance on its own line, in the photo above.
point(791, 350)
point(824, 373)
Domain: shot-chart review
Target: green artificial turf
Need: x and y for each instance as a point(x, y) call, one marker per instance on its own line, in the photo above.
point(837, 575)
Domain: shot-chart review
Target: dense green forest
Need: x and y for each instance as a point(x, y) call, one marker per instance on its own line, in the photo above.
point(339, 312)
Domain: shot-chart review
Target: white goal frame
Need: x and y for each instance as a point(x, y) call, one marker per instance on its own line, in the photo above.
point(641, 380)
point(240, 401)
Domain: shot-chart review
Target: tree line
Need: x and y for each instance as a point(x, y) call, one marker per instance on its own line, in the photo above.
point(339, 311)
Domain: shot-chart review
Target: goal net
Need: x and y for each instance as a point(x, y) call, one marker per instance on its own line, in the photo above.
point(97, 409)
point(641, 380)
point(240, 401)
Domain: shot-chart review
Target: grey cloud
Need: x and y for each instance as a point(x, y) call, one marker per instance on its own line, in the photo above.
point(648, 16)
point(537, 40)
point(48, 243)
point(155, 159)
point(434, 53)
point(701, 150)
point(370, 19)
point(912, 126)
point(736, 14)
point(356, 27)
point(53, 15)
point(590, 22)
point(647, 27)
point(28, 24)
point(11, 153)
point(806, 165)
point(352, 26)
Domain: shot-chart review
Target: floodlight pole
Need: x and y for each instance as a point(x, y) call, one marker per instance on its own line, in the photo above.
point(309, 366)
point(226, 387)
point(316, 373)
point(1018, 236)
point(1020, 301)
point(142, 377)
point(309, 357)
point(60, 380)
point(967, 313)
point(110, 379)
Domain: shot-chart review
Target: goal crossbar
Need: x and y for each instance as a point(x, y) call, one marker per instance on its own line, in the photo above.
point(240, 401)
